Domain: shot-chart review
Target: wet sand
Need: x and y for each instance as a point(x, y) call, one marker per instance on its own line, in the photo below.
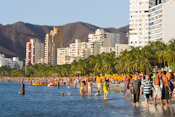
point(157, 110)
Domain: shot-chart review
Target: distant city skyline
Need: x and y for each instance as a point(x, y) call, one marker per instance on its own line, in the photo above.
point(102, 13)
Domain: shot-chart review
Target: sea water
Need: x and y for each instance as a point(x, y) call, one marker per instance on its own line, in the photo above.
point(43, 101)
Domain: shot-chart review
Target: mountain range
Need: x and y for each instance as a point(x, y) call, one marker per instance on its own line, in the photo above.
point(13, 37)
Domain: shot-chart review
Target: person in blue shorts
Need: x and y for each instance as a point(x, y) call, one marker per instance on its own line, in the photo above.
point(146, 86)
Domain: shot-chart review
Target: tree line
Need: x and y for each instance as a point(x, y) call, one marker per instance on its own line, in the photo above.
point(154, 55)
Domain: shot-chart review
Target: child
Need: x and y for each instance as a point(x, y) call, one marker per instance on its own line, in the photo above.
point(105, 89)
point(89, 87)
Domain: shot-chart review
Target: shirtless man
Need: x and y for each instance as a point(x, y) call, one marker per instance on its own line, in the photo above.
point(157, 91)
point(126, 82)
point(165, 92)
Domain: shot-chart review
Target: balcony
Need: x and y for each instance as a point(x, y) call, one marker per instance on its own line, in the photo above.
point(157, 37)
point(155, 19)
point(158, 32)
point(154, 10)
point(154, 24)
point(156, 28)
point(156, 14)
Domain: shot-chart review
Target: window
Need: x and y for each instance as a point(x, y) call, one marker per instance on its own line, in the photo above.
point(105, 36)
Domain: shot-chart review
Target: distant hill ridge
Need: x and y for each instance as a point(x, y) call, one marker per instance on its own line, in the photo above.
point(13, 37)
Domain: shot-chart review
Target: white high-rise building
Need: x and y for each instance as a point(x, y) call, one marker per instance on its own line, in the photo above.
point(139, 22)
point(101, 41)
point(162, 22)
point(143, 21)
point(105, 39)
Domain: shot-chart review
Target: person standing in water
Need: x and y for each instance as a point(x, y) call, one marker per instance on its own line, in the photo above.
point(22, 90)
point(106, 88)
point(58, 84)
point(146, 88)
point(89, 87)
point(82, 89)
point(126, 82)
point(99, 80)
point(157, 92)
point(166, 88)
point(136, 83)
point(171, 83)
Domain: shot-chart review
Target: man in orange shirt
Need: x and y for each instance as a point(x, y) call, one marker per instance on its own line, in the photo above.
point(99, 80)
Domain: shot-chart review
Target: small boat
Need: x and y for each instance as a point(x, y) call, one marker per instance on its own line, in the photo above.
point(36, 83)
point(51, 85)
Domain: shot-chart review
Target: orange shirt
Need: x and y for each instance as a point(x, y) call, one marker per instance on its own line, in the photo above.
point(99, 80)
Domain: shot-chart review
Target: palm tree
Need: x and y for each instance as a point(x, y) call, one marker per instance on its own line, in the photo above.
point(170, 55)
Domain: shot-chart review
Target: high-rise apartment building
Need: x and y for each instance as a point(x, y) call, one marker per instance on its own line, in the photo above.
point(52, 42)
point(141, 21)
point(105, 39)
point(34, 52)
point(101, 39)
point(162, 22)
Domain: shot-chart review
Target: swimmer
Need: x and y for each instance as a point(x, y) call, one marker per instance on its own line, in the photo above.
point(66, 94)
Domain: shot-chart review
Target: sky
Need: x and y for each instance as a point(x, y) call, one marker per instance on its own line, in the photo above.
point(102, 13)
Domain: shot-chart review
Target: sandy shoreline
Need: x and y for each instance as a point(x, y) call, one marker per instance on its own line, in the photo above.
point(118, 88)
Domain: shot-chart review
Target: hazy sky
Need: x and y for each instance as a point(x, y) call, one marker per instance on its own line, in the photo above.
point(102, 13)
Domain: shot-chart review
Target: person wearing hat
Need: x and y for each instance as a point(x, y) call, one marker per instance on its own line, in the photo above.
point(171, 75)
point(170, 82)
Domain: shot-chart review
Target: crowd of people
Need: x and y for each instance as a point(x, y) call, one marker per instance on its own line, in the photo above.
point(157, 86)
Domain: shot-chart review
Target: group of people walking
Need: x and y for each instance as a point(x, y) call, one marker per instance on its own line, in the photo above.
point(157, 86)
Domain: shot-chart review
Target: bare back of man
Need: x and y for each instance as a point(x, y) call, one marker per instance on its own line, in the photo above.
point(157, 80)
point(157, 91)
point(165, 81)
point(165, 93)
